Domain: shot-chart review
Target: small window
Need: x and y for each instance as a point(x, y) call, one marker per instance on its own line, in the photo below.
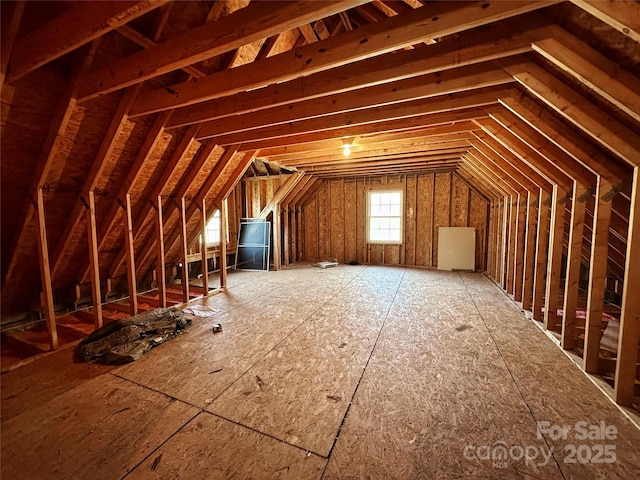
point(384, 216)
point(213, 229)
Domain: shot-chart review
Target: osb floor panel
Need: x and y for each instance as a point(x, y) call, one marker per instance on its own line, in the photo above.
point(348, 372)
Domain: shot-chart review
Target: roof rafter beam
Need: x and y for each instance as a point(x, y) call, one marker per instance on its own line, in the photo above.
point(433, 20)
point(572, 106)
point(78, 26)
point(257, 21)
point(415, 108)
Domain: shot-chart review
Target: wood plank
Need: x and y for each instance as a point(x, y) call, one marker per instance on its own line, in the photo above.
point(530, 250)
point(107, 145)
point(575, 108)
point(556, 130)
point(554, 261)
point(51, 145)
point(160, 268)
point(593, 69)
point(94, 261)
point(436, 104)
point(518, 272)
point(419, 87)
point(622, 15)
point(224, 218)
point(168, 172)
point(629, 336)
point(55, 38)
point(130, 256)
point(597, 277)
point(244, 26)
point(368, 41)
point(574, 258)
point(10, 18)
point(441, 209)
point(542, 246)
point(203, 245)
point(45, 274)
point(184, 251)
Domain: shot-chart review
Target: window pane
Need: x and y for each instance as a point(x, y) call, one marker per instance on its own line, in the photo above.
point(385, 216)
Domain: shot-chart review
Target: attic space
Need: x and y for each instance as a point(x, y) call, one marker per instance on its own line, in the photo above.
point(416, 225)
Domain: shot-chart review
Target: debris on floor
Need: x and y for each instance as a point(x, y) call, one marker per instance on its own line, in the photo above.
point(200, 310)
point(328, 263)
point(126, 340)
point(217, 327)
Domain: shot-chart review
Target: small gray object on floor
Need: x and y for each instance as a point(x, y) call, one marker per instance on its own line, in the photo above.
point(217, 327)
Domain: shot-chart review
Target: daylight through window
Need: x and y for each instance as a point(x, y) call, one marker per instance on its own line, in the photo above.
point(213, 229)
point(384, 216)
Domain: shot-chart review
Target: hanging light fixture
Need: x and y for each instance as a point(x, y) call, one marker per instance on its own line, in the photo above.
point(346, 146)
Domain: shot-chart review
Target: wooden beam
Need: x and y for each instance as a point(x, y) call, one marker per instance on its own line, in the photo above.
point(51, 145)
point(94, 261)
point(555, 130)
point(133, 173)
point(162, 276)
point(203, 246)
point(574, 258)
point(542, 246)
point(185, 246)
point(282, 192)
point(623, 15)
point(420, 87)
point(10, 17)
point(168, 171)
point(597, 277)
point(546, 149)
point(136, 37)
point(554, 260)
point(255, 22)
point(235, 177)
point(286, 235)
point(45, 274)
point(369, 41)
point(118, 122)
point(593, 69)
point(575, 108)
point(130, 255)
point(446, 103)
point(629, 335)
point(73, 28)
point(224, 216)
point(530, 250)
point(518, 272)
point(436, 121)
point(496, 41)
point(277, 238)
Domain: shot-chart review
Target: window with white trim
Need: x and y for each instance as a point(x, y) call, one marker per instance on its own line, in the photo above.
point(212, 232)
point(384, 216)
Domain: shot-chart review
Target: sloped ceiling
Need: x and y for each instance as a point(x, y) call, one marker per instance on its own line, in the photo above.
point(154, 101)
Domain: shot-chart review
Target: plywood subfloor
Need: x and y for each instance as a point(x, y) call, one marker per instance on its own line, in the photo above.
point(350, 372)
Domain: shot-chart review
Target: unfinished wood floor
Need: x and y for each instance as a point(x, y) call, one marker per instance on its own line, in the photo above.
point(350, 372)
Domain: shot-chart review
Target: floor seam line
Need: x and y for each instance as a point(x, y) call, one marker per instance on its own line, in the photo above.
point(355, 391)
point(287, 336)
point(161, 445)
point(240, 424)
point(515, 382)
point(146, 387)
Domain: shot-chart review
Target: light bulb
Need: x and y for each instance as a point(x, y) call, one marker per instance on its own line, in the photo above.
point(347, 150)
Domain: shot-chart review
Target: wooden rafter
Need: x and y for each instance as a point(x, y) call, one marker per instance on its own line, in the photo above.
point(375, 39)
point(257, 21)
point(90, 20)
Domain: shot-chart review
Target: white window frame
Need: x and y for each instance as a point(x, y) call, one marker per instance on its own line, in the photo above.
point(400, 216)
point(212, 226)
